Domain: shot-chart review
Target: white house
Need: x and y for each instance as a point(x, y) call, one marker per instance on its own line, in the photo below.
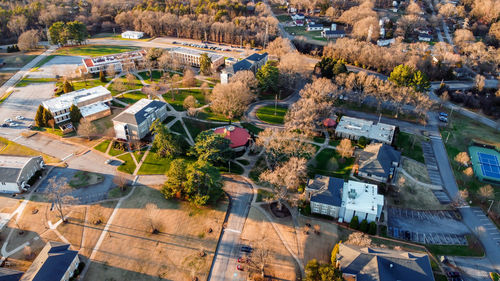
point(314, 27)
point(15, 172)
point(132, 34)
point(329, 34)
point(362, 200)
point(299, 16)
point(424, 37)
point(354, 128)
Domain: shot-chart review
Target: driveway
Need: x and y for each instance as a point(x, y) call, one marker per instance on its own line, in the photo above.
point(227, 252)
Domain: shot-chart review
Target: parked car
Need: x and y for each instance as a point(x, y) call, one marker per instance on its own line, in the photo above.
point(8, 120)
point(5, 125)
point(443, 119)
point(239, 267)
point(13, 124)
point(175, 42)
point(19, 117)
point(247, 249)
point(108, 161)
point(241, 260)
point(453, 274)
point(443, 114)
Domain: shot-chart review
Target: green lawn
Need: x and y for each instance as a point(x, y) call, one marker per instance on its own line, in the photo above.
point(28, 81)
point(259, 167)
point(145, 75)
point(94, 50)
point(410, 146)
point(251, 128)
point(103, 146)
point(129, 165)
point(153, 166)
point(181, 95)
point(269, 115)
point(118, 193)
point(114, 151)
point(138, 154)
point(301, 31)
point(264, 194)
point(195, 127)
point(474, 249)
point(207, 114)
point(133, 97)
point(90, 83)
point(178, 128)
point(329, 163)
point(42, 62)
point(283, 18)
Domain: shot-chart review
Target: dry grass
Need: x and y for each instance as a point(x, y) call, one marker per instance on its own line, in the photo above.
point(13, 148)
point(259, 231)
point(7, 203)
point(416, 169)
point(131, 252)
point(414, 196)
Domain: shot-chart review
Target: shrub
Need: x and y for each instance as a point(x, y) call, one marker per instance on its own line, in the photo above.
point(372, 230)
point(354, 223)
point(364, 226)
point(362, 142)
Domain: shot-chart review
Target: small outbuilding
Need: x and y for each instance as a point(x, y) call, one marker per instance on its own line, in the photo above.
point(16, 171)
point(239, 137)
point(132, 34)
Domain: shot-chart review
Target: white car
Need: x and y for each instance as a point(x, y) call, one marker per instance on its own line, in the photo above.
point(13, 124)
point(8, 120)
point(19, 117)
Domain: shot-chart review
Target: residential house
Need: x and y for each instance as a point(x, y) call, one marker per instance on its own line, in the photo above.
point(378, 162)
point(16, 171)
point(331, 34)
point(314, 27)
point(362, 200)
point(354, 128)
point(344, 200)
point(134, 123)
point(298, 16)
point(56, 262)
point(424, 37)
point(128, 60)
point(239, 137)
point(385, 42)
point(132, 34)
point(93, 104)
point(298, 22)
point(192, 57)
point(252, 63)
point(381, 264)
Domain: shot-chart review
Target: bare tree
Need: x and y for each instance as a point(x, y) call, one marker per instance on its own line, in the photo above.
point(247, 78)
point(86, 129)
point(119, 86)
point(59, 193)
point(120, 182)
point(153, 220)
point(462, 158)
point(231, 99)
point(110, 71)
point(345, 148)
point(130, 79)
point(486, 192)
point(17, 24)
point(189, 79)
point(28, 40)
point(480, 82)
point(259, 257)
point(189, 102)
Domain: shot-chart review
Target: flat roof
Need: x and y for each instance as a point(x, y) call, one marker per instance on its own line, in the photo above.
point(195, 52)
point(93, 108)
point(362, 197)
point(132, 32)
point(361, 127)
point(66, 100)
point(114, 58)
point(138, 112)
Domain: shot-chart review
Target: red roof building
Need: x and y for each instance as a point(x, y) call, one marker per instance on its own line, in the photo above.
point(329, 122)
point(238, 136)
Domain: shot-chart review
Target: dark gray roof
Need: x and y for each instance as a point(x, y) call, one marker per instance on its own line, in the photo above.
point(256, 57)
point(388, 265)
point(333, 32)
point(52, 263)
point(7, 274)
point(136, 115)
point(377, 159)
point(332, 195)
point(241, 65)
point(315, 25)
point(9, 174)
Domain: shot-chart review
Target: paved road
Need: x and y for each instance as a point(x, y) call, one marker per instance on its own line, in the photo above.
point(224, 265)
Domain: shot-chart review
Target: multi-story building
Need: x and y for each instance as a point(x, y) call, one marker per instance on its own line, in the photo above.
point(252, 63)
point(130, 60)
point(192, 57)
point(93, 104)
point(16, 171)
point(344, 200)
point(135, 122)
point(354, 128)
point(55, 262)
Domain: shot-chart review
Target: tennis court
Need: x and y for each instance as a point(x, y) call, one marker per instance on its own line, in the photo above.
point(485, 163)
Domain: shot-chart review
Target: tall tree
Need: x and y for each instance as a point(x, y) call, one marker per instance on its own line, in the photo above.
point(165, 144)
point(268, 77)
point(59, 193)
point(28, 40)
point(176, 177)
point(74, 114)
point(204, 183)
point(67, 86)
point(345, 148)
point(39, 120)
point(47, 116)
point(102, 77)
point(189, 79)
point(231, 100)
point(211, 147)
point(86, 129)
point(205, 64)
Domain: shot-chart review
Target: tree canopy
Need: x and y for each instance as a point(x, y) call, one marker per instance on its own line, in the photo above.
point(74, 114)
point(73, 32)
point(407, 76)
point(165, 144)
point(205, 64)
point(211, 147)
point(268, 77)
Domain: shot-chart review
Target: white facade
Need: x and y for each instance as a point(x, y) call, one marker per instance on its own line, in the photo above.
point(118, 61)
point(132, 34)
point(362, 200)
point(192, 57)
point(90, 102)
point(314, 27)
point(354, 128)
point(325, 209)
point(15, 172)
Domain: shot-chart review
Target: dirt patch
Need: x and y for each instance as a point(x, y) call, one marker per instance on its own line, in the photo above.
point(406, 193)
point(416, 169)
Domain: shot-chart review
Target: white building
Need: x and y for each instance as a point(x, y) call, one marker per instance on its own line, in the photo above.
point(134, 123)
point(329, 34)
point(362, 200)
point(299, 16)
point(132, 60)
point(314, 27)
point(192, 57)
point(132, 34)
point(343, 200)
point(91, 102)
point(15, 172)
point(354, 128)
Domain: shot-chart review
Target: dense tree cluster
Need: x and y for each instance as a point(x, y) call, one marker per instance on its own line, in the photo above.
point(62, 33)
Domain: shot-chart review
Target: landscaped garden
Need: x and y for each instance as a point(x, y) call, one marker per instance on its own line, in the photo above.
point(84, 179)
point(129, 165)
point(329, 163)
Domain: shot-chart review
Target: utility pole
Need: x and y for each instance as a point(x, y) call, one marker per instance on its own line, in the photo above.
point(490, 206)
point(275, 103)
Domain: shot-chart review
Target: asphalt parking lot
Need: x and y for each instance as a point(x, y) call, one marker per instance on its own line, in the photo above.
point(487, 225)
point(426, 226)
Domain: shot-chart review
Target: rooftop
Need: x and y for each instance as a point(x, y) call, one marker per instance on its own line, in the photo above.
point(7, 274)
point(51, 263)
point(362, 197)
point(93, 108)
point(114, 58)
point(139, 111)
point(377, 159)
point(361, 127)
point(195, 52)
point(238, 136)
point(332, 190)
point(66, 100)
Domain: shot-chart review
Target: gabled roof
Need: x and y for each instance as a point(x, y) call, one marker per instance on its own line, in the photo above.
point(256, 57)
point(377, 159)
point(139, 111)
point(242, 65)
point(51, 264)
point(7, 274)
point(373, 264)
point(12, 166)
point(332, 195)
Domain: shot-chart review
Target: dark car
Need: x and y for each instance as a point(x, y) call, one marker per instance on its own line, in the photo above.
point(5, 125)
point(443, 114)
point(246, 249)
point(453, 274)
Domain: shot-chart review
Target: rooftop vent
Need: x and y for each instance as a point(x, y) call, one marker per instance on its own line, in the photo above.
point(230, 128)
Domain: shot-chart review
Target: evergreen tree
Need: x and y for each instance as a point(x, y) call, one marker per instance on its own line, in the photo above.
point(39, 117)
point(67, 87)
point(176, 177)
point(354, 223)
point(335, 251)
point(373, 228)
point(164, 144)
point(203, 184)
point(205, 64)
point(211, 147)
point(102, 77)
point(364, 226)
point(74, 114)
point(268, 78)
point(47, 116)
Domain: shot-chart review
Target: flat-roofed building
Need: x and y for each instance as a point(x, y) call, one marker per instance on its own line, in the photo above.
point(354, 128)
point(134, 123)
point(15, 172)
point(132, 34)
point(192, 57)
point(91, 102)
point(362, 200)
point(132, 60)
